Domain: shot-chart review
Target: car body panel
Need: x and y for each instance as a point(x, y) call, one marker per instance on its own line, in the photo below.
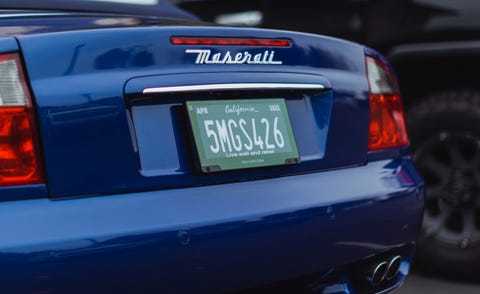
point(15, 23)
point(145, 8)
point(212, 238)
point(85, 119)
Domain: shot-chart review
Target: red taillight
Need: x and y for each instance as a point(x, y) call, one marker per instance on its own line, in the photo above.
point(230, 41)
point(387, 123)
point(19, 156)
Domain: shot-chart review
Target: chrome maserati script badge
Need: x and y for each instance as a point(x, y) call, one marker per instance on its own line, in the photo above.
point(205, 56)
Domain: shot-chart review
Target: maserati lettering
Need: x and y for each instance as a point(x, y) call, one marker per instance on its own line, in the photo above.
point(205, 56)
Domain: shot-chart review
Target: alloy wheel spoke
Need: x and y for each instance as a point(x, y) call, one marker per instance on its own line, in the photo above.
point(469, 229)
point(433, 225)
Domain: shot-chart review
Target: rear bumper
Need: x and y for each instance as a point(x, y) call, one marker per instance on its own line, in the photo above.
point(212, 238)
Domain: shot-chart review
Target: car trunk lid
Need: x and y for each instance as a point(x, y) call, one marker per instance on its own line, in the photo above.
point(108, 127)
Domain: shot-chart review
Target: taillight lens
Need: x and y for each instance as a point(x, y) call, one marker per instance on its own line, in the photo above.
point(387, 123)
point(19, 157)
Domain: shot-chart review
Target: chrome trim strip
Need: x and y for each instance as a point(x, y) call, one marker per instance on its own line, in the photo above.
point(234, 86)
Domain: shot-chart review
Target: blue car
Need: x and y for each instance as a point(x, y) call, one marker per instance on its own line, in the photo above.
point(145, 151)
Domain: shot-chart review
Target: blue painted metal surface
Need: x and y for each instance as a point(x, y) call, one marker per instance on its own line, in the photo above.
point(144, 8)
point(84, 114)
point(29, 23)
point(212, 238)
point(8, 44)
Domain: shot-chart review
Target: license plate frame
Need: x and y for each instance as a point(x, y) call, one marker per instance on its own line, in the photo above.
point(239, 134)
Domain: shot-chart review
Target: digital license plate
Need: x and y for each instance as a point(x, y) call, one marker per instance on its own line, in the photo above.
point(237, 134)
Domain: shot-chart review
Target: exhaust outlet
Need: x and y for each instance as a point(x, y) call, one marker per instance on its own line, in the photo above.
point(378, 273)
point(394, 267)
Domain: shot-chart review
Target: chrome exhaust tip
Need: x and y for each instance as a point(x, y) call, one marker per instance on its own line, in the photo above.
point(378, 273)
point(394, 267)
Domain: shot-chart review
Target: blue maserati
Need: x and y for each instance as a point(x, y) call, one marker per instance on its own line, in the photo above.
point(145, 151)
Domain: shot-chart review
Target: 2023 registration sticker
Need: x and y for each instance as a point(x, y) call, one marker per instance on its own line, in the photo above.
point(235, 134)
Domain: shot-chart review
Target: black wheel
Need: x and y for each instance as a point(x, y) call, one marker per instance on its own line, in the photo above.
point(444, 130)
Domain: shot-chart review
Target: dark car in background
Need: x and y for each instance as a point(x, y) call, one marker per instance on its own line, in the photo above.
point(434, 47)
point(145, 151)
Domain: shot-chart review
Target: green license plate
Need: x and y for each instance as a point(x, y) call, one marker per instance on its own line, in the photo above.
point(237, 134)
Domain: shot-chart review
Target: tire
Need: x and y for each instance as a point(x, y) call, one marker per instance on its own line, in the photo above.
point(444, 130)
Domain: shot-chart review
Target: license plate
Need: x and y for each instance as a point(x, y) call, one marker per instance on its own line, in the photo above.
point(237, 134)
